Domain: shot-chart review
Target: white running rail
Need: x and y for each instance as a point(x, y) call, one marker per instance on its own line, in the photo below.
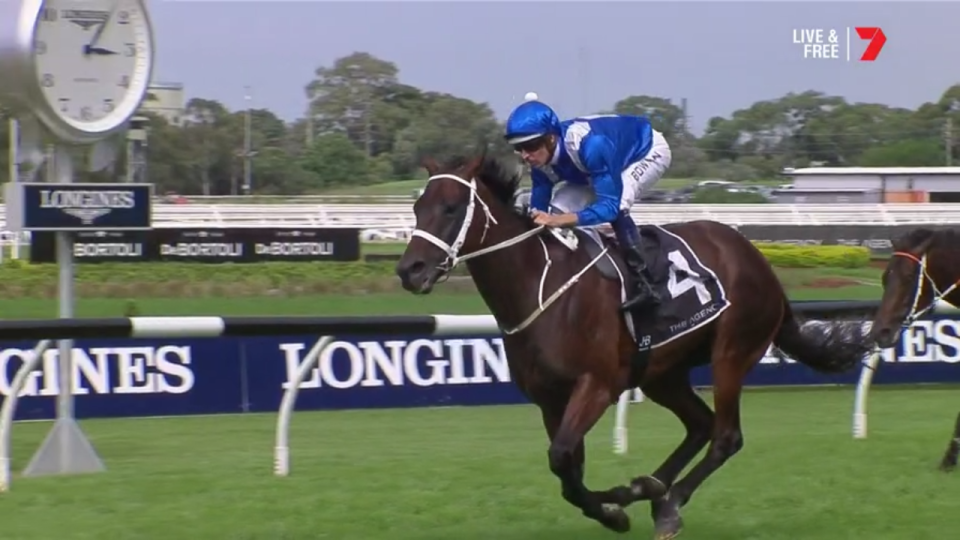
point(401, 215)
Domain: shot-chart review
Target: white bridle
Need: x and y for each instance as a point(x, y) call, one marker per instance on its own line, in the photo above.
point(453, 250)
point(923, 276)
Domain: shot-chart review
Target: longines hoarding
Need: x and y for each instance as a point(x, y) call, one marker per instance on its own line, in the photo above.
point(43, 206)
point(231, 375)
point(206, 245)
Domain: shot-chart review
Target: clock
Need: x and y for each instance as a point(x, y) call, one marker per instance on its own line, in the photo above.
point(81, 66)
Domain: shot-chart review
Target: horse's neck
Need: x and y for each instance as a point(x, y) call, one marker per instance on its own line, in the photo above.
point(508, 279)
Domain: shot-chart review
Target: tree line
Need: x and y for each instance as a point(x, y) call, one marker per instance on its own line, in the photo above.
point(364, 125)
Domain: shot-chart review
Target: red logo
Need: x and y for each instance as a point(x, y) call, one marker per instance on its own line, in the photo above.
point(877, 41)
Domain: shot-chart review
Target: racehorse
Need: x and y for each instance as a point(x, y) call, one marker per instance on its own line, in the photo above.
point(922, 271)
point(573, 353)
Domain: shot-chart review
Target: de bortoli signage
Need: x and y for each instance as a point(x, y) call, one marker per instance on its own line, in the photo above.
point(47, 206)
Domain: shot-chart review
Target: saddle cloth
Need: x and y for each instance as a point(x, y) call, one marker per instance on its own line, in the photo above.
point(690, 292)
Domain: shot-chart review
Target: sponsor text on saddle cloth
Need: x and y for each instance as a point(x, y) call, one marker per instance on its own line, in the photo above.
point(692, 295)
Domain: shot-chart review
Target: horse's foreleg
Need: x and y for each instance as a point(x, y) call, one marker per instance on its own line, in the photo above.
point(587, 404)
point(673, 392)
point(953, 449)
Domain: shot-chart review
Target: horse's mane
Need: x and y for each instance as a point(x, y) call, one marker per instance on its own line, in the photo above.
point(494, 175)
point(939, 238)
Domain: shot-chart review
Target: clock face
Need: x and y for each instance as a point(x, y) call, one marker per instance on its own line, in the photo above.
point(93, 60)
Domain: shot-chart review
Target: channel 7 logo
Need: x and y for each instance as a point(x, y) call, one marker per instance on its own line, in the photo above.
point(877, 40)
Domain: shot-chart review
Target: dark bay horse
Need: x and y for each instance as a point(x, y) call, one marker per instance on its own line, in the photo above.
point(923, 270)
point(569, 348)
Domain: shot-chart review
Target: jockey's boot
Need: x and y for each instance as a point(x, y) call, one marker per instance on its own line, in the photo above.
point(643, 292)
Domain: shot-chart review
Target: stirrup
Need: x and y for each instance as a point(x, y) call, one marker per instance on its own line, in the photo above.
point(642, 299)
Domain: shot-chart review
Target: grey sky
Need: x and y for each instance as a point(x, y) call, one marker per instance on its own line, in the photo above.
point(580, 57)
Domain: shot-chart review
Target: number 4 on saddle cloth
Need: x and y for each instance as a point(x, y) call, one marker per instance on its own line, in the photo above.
point(691, 294)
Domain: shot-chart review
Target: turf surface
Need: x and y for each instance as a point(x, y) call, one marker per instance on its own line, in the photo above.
point(330, 304)
point(801, 284)
point(481, 474)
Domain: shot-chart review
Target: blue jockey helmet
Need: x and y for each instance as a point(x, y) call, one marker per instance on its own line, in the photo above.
point(530, 120)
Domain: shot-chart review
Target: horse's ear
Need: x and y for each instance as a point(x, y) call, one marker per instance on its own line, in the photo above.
point(475, 164)
point(430, 165)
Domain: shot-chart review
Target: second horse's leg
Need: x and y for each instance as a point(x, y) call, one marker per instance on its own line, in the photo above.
point(587, 404)
point(953, 449)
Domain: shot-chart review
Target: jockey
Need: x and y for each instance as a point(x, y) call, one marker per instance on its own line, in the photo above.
point(618, 155)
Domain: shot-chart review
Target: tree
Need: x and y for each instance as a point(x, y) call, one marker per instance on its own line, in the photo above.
point(666, 117)
point(352, 97)
point(335, 161)
point(366, 125)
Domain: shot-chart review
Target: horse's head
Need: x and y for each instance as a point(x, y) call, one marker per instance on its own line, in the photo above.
point(462, 201)
point(904, 296)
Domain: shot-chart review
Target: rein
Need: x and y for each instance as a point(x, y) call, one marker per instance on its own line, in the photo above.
point(453, 250)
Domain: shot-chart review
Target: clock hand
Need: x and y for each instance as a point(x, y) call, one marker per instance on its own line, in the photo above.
point(88, 48)
point(99, 50)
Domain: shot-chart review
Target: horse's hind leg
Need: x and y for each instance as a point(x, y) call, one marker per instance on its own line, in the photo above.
point(567, 429)
point(729, 367)
point(953, 449)
point(672, 391)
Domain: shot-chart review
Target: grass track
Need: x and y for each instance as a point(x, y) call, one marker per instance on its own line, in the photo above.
point(443, 300)
point(481, 474)
point(399, 303)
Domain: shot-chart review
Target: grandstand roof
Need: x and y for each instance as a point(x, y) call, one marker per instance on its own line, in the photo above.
point(880, 171)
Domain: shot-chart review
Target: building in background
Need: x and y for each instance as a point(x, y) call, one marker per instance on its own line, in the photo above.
point(895, 184)
point(167, 100)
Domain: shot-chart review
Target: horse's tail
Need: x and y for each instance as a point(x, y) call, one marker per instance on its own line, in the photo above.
point(826, 346)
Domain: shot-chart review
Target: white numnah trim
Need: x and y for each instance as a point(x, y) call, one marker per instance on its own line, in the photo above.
point(145, 327)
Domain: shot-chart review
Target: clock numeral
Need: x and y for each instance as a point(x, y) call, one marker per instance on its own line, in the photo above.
point(123, 17)
point(124, 82)
point(64, 104)
point(49, 15)
point(41, 47)
point(108, 105)
point(47, 81)
point(130, 49)
point(86, 113)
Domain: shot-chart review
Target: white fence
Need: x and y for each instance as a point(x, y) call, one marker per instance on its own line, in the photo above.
point(393, 221)
point(401, 215)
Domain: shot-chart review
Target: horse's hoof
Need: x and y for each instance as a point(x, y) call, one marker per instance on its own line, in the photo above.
point(947, 467)
point(668, 529)
point(647, 488)
point(615, 519)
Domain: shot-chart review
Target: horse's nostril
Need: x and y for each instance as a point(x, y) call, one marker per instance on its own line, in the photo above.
point(417, 268)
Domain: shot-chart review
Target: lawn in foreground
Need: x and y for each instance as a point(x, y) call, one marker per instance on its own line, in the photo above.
point(399, 303)
point(481, 474)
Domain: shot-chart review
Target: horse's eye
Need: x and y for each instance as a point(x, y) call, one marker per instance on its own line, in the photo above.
point(450, 210)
